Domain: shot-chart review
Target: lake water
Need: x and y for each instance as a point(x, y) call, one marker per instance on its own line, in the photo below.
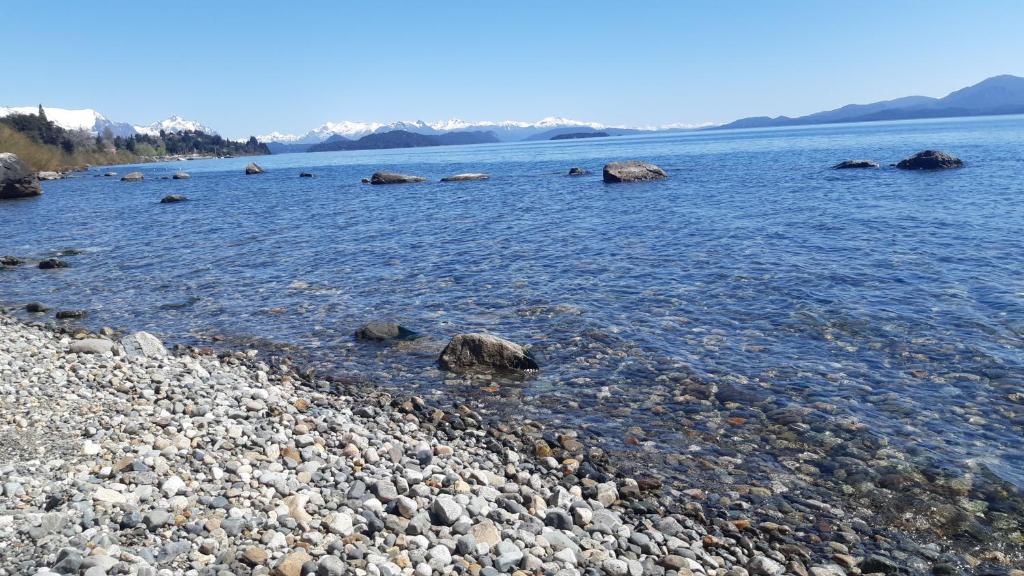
point(753, 292)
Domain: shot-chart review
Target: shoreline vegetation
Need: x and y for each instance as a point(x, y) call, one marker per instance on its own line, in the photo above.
point(46, 147)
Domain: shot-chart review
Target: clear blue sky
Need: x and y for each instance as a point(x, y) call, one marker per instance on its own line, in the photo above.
point(253, 67)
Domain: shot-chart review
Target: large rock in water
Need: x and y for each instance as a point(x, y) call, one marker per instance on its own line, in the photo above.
point(484, 353)
point(16, 179)
point(181, 176)
point(632, 171)
point(930, 160)
point(381, 331)
point(394, 178)
point(465, 177)
point(143, 344)
point(173, 198)
point(254, 168)
point(848, 164)
point(132, 177)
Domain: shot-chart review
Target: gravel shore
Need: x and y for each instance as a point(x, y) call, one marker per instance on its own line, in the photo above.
point(120, 457)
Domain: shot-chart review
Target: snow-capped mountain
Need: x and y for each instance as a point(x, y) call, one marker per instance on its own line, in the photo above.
point(174, 124)
point(84, 119)
point(508, 130)
point(95, 123)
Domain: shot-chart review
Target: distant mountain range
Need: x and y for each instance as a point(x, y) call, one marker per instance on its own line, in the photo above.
point(95, 123)
point(507, 131)
point(996, 95)
point(993, 96)
point(403, 139)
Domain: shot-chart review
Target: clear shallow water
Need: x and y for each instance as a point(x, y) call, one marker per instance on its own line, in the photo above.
point(887, 298)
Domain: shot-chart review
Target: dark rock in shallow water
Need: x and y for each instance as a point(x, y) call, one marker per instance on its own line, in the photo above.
point(172, 198)
point(632, 171)
point(305, 175)
point(381, 331)
point(36, 308)
point(52, 263)
point(930, 160)
point(11, 261)
point(16, 179)
point(365, 180)
point(254, 168)
point(70, 314)
point(465, 177)
point(133, 177)
point(577, 171)
point(110, 173)
point(847, 164)
point(394, 178)
point(486, 353)
point(181, 176)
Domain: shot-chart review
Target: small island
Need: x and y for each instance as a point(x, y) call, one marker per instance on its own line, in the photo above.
point(575, 135)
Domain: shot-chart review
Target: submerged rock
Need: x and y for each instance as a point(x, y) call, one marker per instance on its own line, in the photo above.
point(847, 164)
point(484, 352)
point(632, 171)
point(172, 198)
point(930, 160)
point(16, 180)
point(305, 175)
point(381, 331)
point(110, 173)
point(394, 178)
point(254, 168)
point(577, 171)
point(36, 308)
point(133, 177)
point(181, 176)
point(465, 177)
point(11, 261)
point(52, 264)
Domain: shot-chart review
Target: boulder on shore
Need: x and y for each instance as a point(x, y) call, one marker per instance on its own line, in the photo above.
point(632, 171)
point(172, 198)
point(484, 353)
point(930, 160)
point(16, 179)
point(848, 164)
point(577, 171)
point(381, 331)
point(394, 178)
point(181, 176)
point(92, 346)
point(254, 168)
point(143, 344)
point(465, 177)
point(50, 175)
point(132, 177)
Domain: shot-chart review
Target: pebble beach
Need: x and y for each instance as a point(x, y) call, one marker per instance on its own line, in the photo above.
point(119, 456)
